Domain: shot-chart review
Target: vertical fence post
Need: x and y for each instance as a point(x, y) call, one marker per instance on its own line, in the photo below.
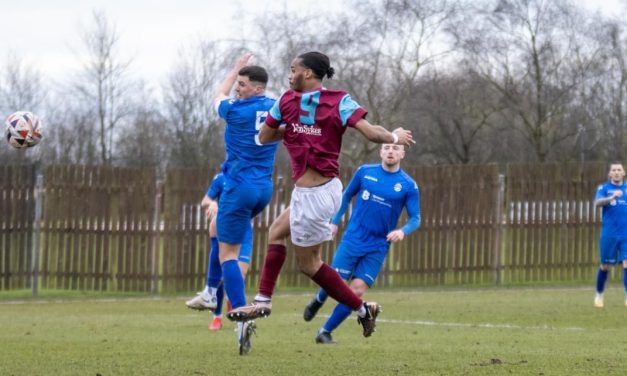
point(498, 228)
point(156, 231)
point(38, 196)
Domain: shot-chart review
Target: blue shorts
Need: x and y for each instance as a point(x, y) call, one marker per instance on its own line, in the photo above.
point(237, 206)
point(613, 249)
point(247, 246)
point(354, 263)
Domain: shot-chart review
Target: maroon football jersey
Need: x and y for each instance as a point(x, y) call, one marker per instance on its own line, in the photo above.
point(314, 124)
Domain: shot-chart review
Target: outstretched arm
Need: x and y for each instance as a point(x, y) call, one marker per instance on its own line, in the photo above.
point(380, 135)
point(224, 89)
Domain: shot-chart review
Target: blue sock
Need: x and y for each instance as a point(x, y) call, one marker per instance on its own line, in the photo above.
point(322, 296)
point(601, 278)
point(214, 270)
point(625, 279)
point(220, 297)
point(340, 313)
point(234, 283)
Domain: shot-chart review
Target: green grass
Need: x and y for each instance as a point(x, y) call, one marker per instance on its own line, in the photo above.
point(521, 331)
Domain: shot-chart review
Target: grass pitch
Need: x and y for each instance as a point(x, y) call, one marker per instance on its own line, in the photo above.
point(530, 331)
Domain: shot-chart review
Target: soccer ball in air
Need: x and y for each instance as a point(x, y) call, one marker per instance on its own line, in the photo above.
point(23, 129)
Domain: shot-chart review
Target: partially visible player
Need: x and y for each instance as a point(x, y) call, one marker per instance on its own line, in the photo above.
point(315, 121)
point(247, 171)
point(613, 243)
point(382, 191)
point(212, 297)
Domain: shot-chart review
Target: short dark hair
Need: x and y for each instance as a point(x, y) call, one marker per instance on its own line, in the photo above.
point(255, 73)
point(318, 62)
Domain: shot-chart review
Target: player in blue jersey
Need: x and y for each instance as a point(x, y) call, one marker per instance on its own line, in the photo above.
point(247, 172)
point(212, 297)
point(383, 191)
point(611, 196)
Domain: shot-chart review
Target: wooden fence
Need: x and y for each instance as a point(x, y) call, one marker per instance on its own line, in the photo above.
point(119, 229)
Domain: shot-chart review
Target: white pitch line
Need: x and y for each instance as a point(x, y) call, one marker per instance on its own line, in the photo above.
point(468, 325)
point(387, 321)
point(82, 300)
point(484, 325)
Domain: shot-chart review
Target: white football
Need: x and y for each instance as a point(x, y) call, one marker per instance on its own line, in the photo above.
point(23, 129)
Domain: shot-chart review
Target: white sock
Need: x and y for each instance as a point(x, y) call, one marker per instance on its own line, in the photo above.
point(262, 298)
point(362, 311)
point(208, 294)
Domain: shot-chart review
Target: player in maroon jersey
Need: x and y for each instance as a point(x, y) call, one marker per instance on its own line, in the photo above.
point(315, 120)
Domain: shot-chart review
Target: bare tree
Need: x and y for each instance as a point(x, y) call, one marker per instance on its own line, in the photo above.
point(380, 56)
point(104, 84)
point(70, 134)
point(457, 114)
point(603, 102)
point(143, 141)
point(196, 133)
point(531, 53)
point(21, 87)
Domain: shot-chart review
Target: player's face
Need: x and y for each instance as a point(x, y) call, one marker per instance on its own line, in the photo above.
point(297, 75)
point(244, 88)
point(392, 154)
point(617, 173)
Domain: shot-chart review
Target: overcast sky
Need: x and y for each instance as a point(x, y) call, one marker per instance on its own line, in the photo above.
point(46, 32)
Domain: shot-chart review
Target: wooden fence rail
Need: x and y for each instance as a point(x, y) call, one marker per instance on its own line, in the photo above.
point(121, 229)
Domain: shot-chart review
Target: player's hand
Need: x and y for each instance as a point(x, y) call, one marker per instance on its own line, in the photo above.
point(404, 137)
point(333, 230)
point(242, 61)
point(396, 236)
point(211, 210)
point(617, 193)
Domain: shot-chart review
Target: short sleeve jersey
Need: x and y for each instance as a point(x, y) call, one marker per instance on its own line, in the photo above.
point(248, 162)
point(315, 122)
point(216, 187)
point(614, 217)
point(381, 197)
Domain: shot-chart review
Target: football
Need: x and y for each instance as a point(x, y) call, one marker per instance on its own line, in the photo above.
point(23, 129)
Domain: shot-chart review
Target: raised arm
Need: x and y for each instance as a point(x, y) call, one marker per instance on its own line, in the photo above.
point(224, 89)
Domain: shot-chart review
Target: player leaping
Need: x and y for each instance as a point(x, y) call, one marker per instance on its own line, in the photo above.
point(316, 119)
point(247, 171)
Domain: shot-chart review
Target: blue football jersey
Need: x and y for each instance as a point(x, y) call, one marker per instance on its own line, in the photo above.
point(381, 197)
point(216, 187)
point(614, 217)
point(247, 162)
